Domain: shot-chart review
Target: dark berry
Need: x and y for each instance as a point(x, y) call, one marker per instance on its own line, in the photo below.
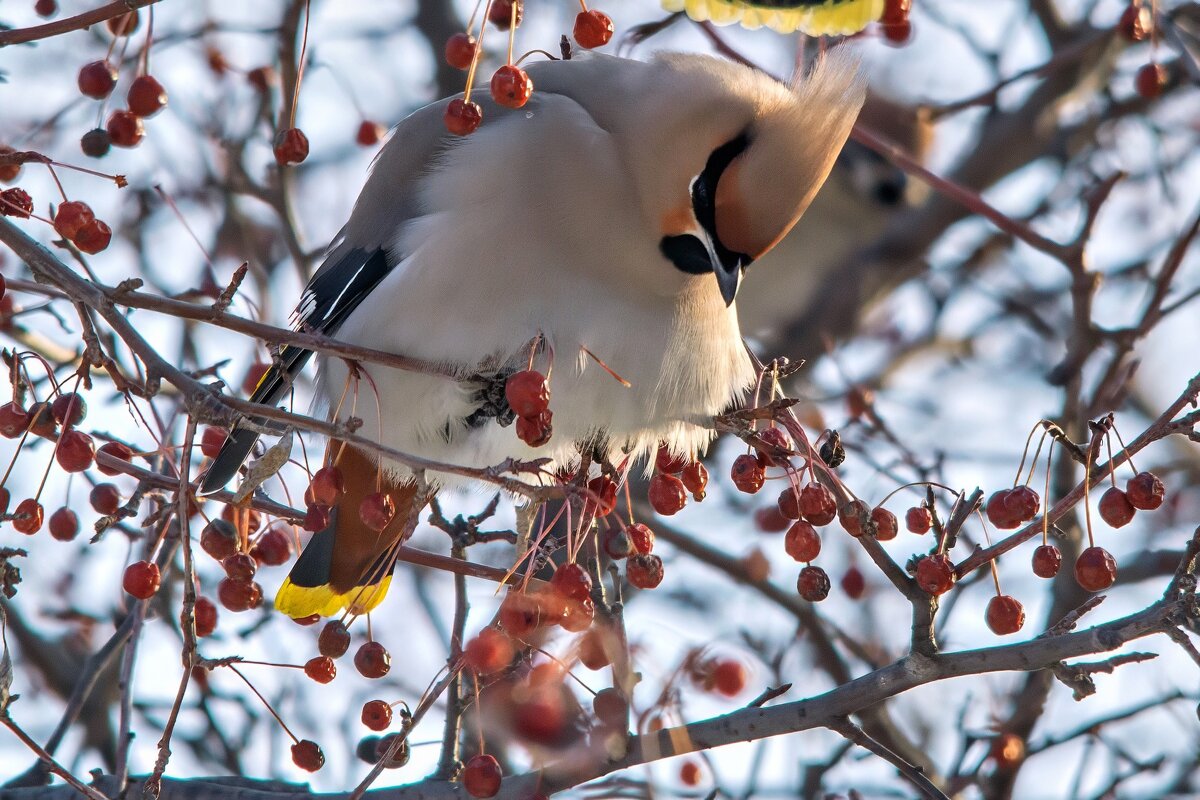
point(1095, 569)
point(1145, 491)
point(146, 96)
point(1047, 560)
point(105, 499)
point(1115, 508)
point(97, 79)
point(645, 571)
point(747, 474)
point(372, 660)
point(813, 584)
point(482, 774)
point(64, 524)
point(334, 640)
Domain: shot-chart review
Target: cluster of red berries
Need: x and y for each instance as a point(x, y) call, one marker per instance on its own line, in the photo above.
point(528, 395)
point(632, 543)
point(1136, 25)
point(145, 98)
point(510, 86)
point(75, 222)
point(675, 477)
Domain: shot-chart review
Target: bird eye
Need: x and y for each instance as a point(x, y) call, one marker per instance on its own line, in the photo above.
point(704, 193)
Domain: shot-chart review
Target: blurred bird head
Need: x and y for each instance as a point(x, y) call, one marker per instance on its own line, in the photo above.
point(724, 158)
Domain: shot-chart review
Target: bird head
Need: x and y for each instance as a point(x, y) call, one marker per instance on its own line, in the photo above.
point(724, 158)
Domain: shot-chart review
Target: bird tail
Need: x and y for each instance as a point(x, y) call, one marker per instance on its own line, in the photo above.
point(348, 565)
point(274, 383)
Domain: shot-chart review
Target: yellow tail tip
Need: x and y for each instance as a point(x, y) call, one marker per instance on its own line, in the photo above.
point(304, 601)
point(815, 19)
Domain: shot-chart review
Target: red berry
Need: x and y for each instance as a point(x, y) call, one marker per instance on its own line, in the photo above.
point(501, 13)
point(219, 539)
point(695, 479)
point(853, 583)
point(334, 640)
point(666, 461)
point(95, 143)
point(64, 524)
point(1150, 80)
point(641, 536)
point(527, 393)
point(1135, 22)
point(205, 615)
point(898, 33)
point(46, 8)
point(935, 573)
point(124, 24)
point(769, 520)
point(76, 452)
point(1145, 491)
point(572, 582)
point(326, 487)
point(462, 117)
point(895, 11)
point(274, 547)
point(316, 518)
point(667, 494)
point(125, 128)
point(5, 498)
point(886, 525)
point(142, 579)
point(789, 503)
point(852, 516)
point(1023, 503)
point(70, 217)
point(93, 237)
point(146, 96)
point(813, 584)
point(105, 499)
point(261, 78)
point(998, 511)
point(536, 431)
point(372, 660)
point(69, 409)
point(1005, 615)
point(41, 420)
point(377, 511)
point(490, 651)
point(14, 420)
point(511, 86)
point(239, 595)
point(817, 504)
point(212, 440)
point(610, 708)
point(747, 474)
point(97, 79)
point(802, 542)
point(1047, 560)
point(603, 498)
point(728, 677)
point(1095, 569)
point(240, 567)
point(520, 613)
point(592, 29)
point(29, 515)
point(369, 133)
point(775, 439)
point(307, 755)
point(689, 773)
point(377, 715)
point(460, 50)
point(291, 147)
point(1115, 508)
point(16, 202)
point(321, 669)
point(645, 571)
point(482, 775)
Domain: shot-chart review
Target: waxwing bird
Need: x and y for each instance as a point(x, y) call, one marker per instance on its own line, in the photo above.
point(609, 222)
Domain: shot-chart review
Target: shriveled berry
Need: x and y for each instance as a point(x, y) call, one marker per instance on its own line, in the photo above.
point(291, 147)
point(1145, 491)
point(75, 452)
point(321, 669)
point(1005, 615)
point(998, 511)
point(462, 117)
point(1095, 569)
point(70, 216)
point(813, 584)
point(918, 520)
point(695, 479)
point(307, 755)
point(817, 504)
point(94, 237)
point(219, 539)
point(274, 547)
point(16, 202)
point(802, 542)
point(95, 143)
point(41, 420)
point(886, 525)
point(501, 13)
point(369, 133)
point(372, 660)
point(239, 595)
point(377, 510)
point(935, 573)
point(64, 524)
point(97, 79)
point(602, 499)
point(142, 579)
point(14, 420)
point(667, 494)
point(334, 639)
point(511, 86)
point(460, 50)
point(28, 516)
point(240, 566)
point(852, 516)
point(399, 758)
point(377, 715)
point(572, 581)
point(146, 96)
point(854, 583)
point(1047, 560)
point(527, 393)
point(645, 571)
point(482, 775)
point(1023, 503)
point(536, 431)
point(641, 536)
point(488, 652)
point(212, 440)
point(69, 409)
point(125, 128)
point(747, 474)
point(728, 677)
point(1115, 508)
point(205, 615)
point(105, 498)
point(618, 543)
point(592, 29)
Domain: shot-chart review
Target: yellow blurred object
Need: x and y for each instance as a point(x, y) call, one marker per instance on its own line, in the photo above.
point(814, 17)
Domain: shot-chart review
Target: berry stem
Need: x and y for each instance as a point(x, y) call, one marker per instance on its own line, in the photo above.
point(512, 32)
point(1087, 489)
point(1046, 511)
point(1025, 453)
point(583, 5)
point(57, 182)
point(604, 366)
point(915, 483)
point(258, 694)
point(1124, 449)
point(300, 68)
point(144, 67)
point(1033, 464)
point(1112, 473)
point(478, 53)
point(528, 53)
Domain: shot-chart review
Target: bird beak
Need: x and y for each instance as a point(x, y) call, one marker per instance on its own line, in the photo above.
point(728, 278)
